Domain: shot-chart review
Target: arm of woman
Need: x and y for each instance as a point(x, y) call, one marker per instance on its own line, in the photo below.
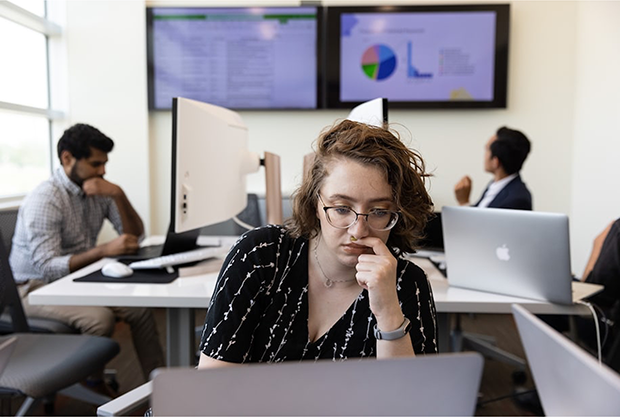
point(233, 313)
point(596, 251)
point(207, 362)
point(377, 274)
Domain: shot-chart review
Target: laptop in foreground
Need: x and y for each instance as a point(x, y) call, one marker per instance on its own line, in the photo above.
point(445, 384)
point(512, 252)
point(569, 380)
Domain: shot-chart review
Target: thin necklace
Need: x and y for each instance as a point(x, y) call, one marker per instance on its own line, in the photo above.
point(328, 281)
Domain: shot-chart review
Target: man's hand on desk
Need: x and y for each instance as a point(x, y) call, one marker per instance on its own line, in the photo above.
point(122, 245)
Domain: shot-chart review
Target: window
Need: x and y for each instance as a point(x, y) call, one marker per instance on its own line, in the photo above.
point(25, 113)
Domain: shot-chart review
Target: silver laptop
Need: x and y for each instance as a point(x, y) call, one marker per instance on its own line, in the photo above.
point(445, 384)
point(569, 380)
point(512, 252)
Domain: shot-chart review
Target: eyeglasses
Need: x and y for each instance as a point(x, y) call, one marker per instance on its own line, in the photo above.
point(343, 217)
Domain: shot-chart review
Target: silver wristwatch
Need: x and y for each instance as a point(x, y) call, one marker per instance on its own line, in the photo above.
point(394, 334)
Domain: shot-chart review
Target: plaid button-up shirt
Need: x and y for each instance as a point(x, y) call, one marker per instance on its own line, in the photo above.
point(55, 221)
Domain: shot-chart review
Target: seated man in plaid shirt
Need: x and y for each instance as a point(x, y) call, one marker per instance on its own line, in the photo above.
point(56, 234)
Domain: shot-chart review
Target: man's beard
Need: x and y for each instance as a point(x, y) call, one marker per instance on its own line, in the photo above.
point(73, 176)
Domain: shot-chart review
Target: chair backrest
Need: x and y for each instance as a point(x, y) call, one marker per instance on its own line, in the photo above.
point(8, 219)
point(9, 297)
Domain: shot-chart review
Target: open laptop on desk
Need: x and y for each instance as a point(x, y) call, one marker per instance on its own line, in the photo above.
point(174, 243)
point(512, 252)
point(445, 384)
point(432, 243)
point(569, 380)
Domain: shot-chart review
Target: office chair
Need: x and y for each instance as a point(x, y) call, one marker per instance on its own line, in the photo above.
point(45, 364)
point(8, 219)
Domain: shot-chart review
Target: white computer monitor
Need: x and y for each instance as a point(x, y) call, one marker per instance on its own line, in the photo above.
point(210, 162)
point(569, 380)
point(372, 112)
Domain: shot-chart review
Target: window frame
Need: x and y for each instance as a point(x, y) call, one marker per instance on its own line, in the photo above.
point(49, 29)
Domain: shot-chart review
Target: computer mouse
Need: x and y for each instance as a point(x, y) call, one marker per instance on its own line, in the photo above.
point(116, 270)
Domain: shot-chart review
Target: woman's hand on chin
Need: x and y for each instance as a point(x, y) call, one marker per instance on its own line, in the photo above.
point(377, 273)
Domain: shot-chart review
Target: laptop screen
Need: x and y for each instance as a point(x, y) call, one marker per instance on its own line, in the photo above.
point(569, 380)
point(433, 234)
point(402, 386)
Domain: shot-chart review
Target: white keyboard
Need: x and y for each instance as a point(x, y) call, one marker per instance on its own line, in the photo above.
point(180, 258)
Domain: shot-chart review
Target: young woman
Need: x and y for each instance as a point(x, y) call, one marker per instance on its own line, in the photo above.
point(330, 283)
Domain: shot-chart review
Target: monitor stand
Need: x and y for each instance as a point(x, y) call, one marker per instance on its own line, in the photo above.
point(273, 188)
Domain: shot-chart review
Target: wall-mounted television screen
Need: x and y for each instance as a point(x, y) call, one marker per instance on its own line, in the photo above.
point(239, 58)
point(418, 56)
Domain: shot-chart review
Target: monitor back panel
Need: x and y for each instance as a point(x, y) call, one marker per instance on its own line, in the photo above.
point(404, 386)
point(569, 380)
point(512, 252)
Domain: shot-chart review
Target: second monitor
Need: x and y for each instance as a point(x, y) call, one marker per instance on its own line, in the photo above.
point(210, 160)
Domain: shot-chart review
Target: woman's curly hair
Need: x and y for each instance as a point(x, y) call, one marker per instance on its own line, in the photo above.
point(374, 146)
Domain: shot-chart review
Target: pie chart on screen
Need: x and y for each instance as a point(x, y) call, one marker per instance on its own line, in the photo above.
point(378, 62)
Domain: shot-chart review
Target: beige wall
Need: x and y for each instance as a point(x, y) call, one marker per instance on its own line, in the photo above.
point(596, 173)
point(106, 73)
point(556, 96)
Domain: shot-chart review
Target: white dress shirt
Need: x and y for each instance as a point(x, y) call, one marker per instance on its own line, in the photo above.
point(494, 189)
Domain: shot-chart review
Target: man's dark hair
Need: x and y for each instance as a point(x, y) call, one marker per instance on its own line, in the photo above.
point(511, 148)
point(79, 138)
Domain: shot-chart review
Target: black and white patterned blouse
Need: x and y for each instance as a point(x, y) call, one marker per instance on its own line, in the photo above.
point(259, 309)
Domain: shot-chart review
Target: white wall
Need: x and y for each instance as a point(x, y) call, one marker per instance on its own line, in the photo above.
point(541, 98)
point(596, 172)
point(562, 85)
point(106, 50)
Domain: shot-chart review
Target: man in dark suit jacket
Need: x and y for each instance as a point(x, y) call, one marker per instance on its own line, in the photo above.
point(505, 153)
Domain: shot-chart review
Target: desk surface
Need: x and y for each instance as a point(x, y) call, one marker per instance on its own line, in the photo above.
point(459, 300)
point(184, 292)
point(195, 292)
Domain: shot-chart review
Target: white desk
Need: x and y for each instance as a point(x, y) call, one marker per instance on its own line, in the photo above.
point(450, 300)
point(181, 296)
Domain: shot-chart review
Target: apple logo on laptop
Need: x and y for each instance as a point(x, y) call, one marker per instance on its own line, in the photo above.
point(502, 253)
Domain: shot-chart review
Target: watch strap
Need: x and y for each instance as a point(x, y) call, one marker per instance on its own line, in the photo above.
point(394, 334)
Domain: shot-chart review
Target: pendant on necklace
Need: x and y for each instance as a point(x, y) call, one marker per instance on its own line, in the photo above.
point(328, 283)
